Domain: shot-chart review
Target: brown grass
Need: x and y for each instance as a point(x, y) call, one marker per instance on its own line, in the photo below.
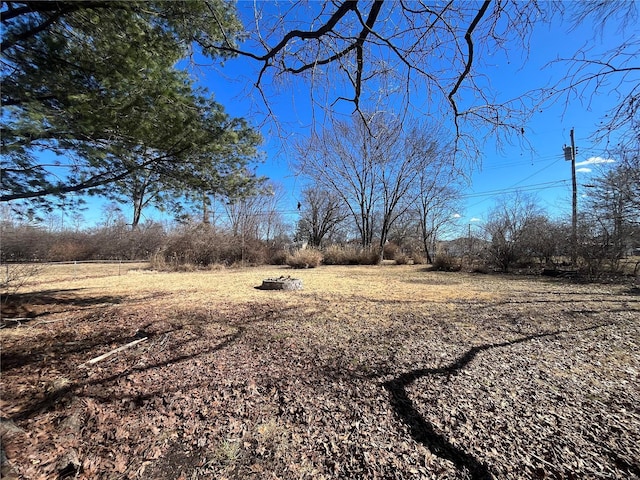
point(368, 372)
point(50, 273)
point(237, 285)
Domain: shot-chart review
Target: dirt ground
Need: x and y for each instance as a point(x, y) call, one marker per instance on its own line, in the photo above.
point(387, 372)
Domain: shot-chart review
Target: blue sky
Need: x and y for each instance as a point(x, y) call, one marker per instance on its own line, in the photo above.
point(537, 168)
point(540, 168)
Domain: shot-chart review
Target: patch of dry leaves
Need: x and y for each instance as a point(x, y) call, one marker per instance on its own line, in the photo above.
point(378, 372)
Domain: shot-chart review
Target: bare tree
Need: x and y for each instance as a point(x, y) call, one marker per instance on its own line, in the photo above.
point(322, 212)
point(256, 216)
point(434, 59)
point(613, 213)
point(435, 196)
point(438, 190)
point(630, 171)
point(243, 216)
point(272, 223)
point(343, 161)
point(509, 226)
point(371, 166)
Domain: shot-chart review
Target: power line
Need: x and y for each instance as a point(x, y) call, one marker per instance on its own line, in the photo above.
point(488, 193)
point(536, 173)
point(523, 163)
point(513, 189)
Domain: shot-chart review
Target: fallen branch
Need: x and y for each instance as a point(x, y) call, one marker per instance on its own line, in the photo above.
point(43, 322)
point(17, 321)
point(108, 354)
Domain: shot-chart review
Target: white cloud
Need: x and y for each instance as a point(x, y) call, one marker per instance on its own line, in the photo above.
point(595, 161)
point(456, 215)
point(583, 170)
point(475, 219)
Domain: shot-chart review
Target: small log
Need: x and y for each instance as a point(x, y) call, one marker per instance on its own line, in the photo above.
point(116, 350)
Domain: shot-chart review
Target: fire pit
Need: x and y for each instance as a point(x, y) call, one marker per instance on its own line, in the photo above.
point(281, 283)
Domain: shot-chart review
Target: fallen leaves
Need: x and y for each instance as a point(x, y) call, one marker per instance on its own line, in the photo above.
point(540, 385)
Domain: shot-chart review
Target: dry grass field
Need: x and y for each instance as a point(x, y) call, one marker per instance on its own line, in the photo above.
point(385, 372)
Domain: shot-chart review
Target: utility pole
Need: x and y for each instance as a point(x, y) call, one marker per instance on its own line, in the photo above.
point(570, 154)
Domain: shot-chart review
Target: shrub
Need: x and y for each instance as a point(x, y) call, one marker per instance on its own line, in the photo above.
point(337, 255)
point(307, 258)
point(334, 255)
point(157, 261)
point(24, 243)
point(202, 247)
point(418, 259)
point(14, 276)
point(391, 250)
point(233, 251)
point(401, 258)
point(369, 257)
point(446, 263)
point(484, 269)
point(69, 250)
point(279, 257)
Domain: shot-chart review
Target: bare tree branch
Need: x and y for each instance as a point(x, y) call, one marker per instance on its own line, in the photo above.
point(467, 37)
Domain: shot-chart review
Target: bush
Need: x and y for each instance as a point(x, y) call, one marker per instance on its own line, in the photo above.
point(159, 262)
point(278, 257)
point(369, 257)
point(334, 255)
point(391, 251)
point(120, 242)
point(24, 243)
point(418, 259)
point(446, 263)
point(482, 268)
point(307, 258)
point(401, 258)
point(203, 247)
point(337, 255)
point(67, 250)
point(14, 276)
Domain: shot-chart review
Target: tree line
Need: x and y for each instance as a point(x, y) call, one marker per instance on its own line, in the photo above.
point(517, 233)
